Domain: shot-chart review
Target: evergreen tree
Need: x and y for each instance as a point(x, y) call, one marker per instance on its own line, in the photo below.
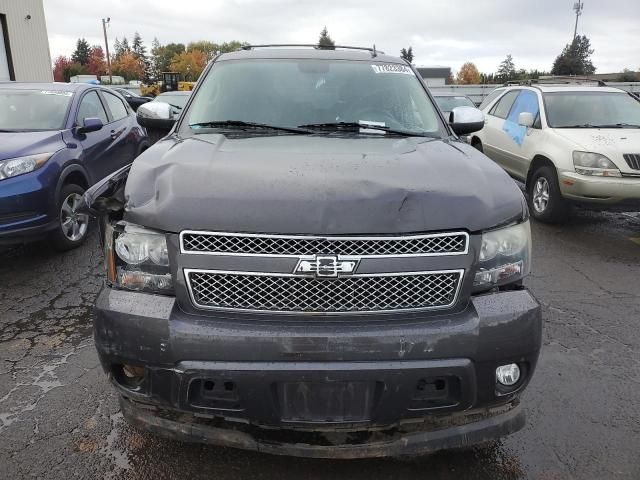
point(506, 70)
point(82, 53)
point(137, 47)
point(325, 41)
point(140, 52)
point(155, 72)
point(407, 54)
point(117, 48)
point(125, 45)
point(575, 59)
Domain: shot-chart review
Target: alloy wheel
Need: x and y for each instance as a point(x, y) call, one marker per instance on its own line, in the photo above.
point(541, 195)
point(74, 224)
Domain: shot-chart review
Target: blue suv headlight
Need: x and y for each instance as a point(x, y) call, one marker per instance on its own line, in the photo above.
point(13, 167)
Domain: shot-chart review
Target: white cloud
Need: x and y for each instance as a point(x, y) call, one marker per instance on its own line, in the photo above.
point(443, 32)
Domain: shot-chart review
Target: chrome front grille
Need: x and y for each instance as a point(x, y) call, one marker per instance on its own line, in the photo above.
point(217, 243)
point(633, 160)
point(285, 293)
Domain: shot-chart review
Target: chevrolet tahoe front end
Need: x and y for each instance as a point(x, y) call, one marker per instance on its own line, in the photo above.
point(347, 295)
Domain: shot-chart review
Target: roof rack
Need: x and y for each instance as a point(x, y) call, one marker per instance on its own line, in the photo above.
point(512, 83)
point(556, 80)
point(374, 52)
point(569, 79)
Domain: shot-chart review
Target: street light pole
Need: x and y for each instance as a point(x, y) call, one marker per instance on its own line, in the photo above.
point(106, 44)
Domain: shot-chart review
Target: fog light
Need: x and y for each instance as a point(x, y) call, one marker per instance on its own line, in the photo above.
point(508, 375)
point(135, 373)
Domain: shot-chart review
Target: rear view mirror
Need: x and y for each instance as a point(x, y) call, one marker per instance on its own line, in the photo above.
point(90, 125)
point(525, 119)
point(156, 115)
point(466, 120)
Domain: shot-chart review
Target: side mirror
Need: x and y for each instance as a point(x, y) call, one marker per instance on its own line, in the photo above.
point(466, 120)
point(90, 125)
point(526, 119)
point(156, 115)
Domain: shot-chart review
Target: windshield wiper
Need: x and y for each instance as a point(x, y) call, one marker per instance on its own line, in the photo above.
point(618, 125)
point(177, 107)
point(582, 125)
point(357, 127)
point(247, 125)
point(590, 125)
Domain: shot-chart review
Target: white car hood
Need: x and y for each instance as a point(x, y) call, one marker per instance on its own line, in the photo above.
point(611, 142)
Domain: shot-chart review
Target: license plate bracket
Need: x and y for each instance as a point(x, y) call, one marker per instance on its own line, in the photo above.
point(326, 402)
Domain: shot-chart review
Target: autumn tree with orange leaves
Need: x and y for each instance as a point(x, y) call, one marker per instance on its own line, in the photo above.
point(97, 64)
point(128, 66)
point(468, 74)
point(189, 64)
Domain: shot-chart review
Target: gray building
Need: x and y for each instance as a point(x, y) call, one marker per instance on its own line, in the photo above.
point(434, 76)
point(24, 45)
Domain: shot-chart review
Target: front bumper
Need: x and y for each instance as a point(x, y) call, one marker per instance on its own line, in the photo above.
point(444, 432)
point(337, 382)
point(14, 236)
point(26, 204)
point(605, 191)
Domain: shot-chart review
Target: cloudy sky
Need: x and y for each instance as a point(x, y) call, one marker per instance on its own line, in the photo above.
point(442, 32)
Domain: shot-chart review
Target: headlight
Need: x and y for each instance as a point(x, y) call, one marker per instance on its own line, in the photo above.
point(20, 165)
point(137, 259)
point(594, 164)
point(505, 257)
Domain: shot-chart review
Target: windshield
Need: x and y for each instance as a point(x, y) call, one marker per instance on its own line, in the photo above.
point(591, 109)
point(448, 103)
point(176, 100)
point(292, 93)
point(29, 110)
point(127, 92)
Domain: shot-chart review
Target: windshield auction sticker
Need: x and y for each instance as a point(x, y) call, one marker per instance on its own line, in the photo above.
point(391, 68)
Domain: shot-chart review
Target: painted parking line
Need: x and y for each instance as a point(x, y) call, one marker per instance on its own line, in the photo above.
point(635, 240)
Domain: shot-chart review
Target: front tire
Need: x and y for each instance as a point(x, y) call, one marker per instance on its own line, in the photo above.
point(546, 203)
point(477, 144)
point(73, 226)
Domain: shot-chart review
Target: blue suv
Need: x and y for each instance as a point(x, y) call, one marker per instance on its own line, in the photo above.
point(57, 140)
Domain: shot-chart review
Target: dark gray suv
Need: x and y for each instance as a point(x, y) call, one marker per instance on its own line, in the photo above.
point(310, 263)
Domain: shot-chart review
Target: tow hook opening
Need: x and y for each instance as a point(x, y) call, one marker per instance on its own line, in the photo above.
point(131, 377)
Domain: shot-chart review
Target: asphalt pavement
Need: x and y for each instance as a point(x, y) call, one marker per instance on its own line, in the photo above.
point(59, 417)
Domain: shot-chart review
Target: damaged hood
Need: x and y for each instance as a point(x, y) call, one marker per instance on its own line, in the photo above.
point(610, 142)
point(299, 184)
point(18, 144)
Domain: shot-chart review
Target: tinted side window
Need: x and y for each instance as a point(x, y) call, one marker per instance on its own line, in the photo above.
point(117, 108)
point(527, 101)
point(91, 107)
point(501, 109)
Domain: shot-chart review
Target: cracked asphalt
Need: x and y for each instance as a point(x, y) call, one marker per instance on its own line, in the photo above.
point(59, 418)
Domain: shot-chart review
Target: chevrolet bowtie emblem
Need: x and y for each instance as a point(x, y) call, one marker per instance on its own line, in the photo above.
point(326, 266)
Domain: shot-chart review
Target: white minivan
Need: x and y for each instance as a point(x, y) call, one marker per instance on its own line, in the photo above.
point(569, 144)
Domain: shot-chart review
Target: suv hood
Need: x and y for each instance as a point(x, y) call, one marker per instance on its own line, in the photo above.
point(18, 144)
point(611, 142)
point(298, 184)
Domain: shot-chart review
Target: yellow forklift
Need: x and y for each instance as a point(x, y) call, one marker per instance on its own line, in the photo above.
point(170, 83)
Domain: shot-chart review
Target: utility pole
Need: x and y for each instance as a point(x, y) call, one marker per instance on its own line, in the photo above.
point(106, 44)
point(578, 6)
